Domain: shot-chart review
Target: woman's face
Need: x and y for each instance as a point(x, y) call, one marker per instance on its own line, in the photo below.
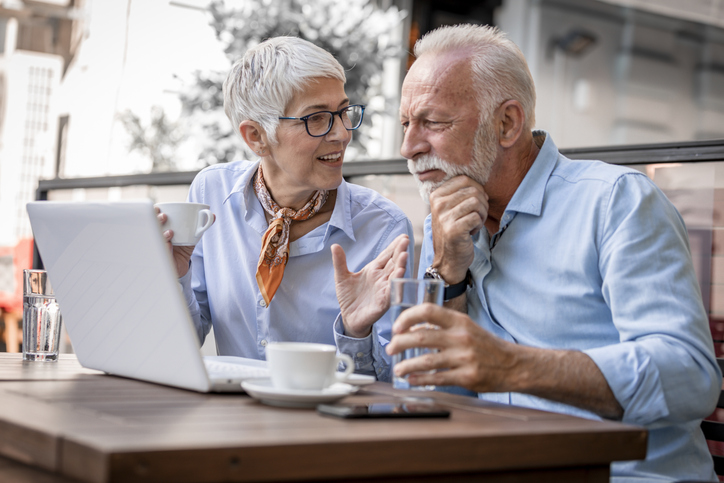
point(300, 164)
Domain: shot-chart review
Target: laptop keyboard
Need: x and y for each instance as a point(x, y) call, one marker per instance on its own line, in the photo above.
point(218, 369)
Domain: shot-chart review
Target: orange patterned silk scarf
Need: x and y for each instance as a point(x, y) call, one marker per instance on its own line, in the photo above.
point(275, 242)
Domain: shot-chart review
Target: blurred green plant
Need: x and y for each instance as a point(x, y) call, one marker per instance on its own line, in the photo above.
point(357, 33)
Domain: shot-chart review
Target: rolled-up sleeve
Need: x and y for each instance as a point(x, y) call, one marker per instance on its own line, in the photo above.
point(663, 370)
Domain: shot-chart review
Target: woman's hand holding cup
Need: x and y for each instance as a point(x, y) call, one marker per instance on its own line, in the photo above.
point(184, 224)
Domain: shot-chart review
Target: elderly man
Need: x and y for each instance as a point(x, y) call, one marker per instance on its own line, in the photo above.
point(572, 281)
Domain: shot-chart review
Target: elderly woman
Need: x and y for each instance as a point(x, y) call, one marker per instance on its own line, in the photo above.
point(264, 272)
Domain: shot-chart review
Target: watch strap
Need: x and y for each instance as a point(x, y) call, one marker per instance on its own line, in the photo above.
point(451, 291)
point(456, 290)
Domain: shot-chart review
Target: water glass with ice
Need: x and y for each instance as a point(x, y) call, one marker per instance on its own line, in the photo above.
point(41, 318)
point(406, 293)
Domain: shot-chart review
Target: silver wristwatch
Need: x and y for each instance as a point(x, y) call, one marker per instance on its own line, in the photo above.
point(451, 291)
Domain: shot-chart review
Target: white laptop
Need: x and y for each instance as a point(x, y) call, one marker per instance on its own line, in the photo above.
point(120, 298)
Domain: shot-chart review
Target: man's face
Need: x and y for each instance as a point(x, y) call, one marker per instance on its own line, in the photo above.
point(440, 116)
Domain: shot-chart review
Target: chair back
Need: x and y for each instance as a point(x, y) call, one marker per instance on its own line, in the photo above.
point(714, 433)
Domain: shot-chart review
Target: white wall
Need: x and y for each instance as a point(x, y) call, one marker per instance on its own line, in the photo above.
point(647, 79)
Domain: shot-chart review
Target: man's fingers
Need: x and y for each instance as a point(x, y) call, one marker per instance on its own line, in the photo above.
point(339, 260)
point(455, 184)
point(471, 223)
point(452, 377)
point(427, 312)
point(432, 361)
point(430, 338)
point(462, 202)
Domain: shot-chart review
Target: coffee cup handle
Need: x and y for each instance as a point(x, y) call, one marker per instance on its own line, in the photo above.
point(206, 224)
point(342, 376)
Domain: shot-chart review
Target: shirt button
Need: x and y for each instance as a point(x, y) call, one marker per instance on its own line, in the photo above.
point(263, 343)
point(262, 303)
point(360, 355)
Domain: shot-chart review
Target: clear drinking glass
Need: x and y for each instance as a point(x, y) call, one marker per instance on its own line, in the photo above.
point(41, 318)
point(406, 293)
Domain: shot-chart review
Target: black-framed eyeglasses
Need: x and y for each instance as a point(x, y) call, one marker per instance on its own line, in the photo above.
point(319, 123)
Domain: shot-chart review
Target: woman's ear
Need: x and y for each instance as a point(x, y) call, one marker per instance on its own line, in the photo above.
point(254, 136)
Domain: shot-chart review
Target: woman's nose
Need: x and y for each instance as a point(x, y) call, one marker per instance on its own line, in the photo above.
point(338, 132)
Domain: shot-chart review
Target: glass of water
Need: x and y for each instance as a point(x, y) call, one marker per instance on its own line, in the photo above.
point(41, 318)
point(406, 293)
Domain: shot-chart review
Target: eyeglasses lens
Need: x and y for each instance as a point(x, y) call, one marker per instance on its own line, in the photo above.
point(320, 123)
point(352, 117)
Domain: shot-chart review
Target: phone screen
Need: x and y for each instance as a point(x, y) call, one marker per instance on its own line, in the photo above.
point(384, 410)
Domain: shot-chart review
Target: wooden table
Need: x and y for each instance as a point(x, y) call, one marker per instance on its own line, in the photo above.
point(98, 428)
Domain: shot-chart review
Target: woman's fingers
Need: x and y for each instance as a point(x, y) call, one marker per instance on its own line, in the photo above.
point(392, 251)
point(339, 262)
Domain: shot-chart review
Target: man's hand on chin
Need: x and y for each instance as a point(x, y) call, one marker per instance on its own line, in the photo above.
point(459, 209)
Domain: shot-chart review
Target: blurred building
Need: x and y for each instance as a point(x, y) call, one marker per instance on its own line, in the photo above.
point(623, 71)
point(38, 40)
point(609, 71)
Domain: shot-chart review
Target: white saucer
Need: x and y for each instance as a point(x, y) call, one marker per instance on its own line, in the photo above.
point(359, 379)
point(263, 390)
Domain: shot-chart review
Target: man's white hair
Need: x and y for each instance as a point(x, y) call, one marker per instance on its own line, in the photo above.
point(264, 81)
point(499, 68)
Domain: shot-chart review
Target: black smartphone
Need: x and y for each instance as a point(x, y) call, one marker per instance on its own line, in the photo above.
point(384, 410)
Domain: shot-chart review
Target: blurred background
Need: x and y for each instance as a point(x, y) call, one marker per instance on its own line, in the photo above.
point(120, 99)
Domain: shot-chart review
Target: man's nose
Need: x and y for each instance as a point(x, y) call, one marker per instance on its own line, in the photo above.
point(413, 143)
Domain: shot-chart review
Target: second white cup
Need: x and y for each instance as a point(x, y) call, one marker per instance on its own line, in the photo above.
point(305, 366)
point(187, 220)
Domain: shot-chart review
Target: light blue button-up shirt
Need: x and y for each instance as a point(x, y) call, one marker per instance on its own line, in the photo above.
point(594, 257)
point(221, 287)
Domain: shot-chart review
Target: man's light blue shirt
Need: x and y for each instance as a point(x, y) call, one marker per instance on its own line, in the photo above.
point(221, 287)
point(594, 257)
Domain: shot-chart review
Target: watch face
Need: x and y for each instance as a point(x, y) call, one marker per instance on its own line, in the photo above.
point(432, 273)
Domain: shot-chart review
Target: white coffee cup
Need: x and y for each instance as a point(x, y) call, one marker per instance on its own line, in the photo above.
point(187, 220)
point(305, 366)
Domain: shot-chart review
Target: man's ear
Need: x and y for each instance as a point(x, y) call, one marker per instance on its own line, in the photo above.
point(511, 119)
point(254, 136)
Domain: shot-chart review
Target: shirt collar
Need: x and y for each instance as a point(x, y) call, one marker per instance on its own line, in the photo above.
point(243, 184)
point(342, 214)
point(528, 198)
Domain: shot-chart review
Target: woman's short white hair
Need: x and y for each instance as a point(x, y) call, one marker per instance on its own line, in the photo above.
point(264, 81)
point(500, 70)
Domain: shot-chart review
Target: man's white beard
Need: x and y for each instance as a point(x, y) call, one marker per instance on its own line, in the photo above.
point(481, 163)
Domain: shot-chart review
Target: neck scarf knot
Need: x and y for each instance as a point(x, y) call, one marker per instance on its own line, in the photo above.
point(275, 241)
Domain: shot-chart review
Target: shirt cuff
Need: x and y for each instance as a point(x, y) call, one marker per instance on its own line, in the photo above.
point(634, 379)
point(360, 350)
